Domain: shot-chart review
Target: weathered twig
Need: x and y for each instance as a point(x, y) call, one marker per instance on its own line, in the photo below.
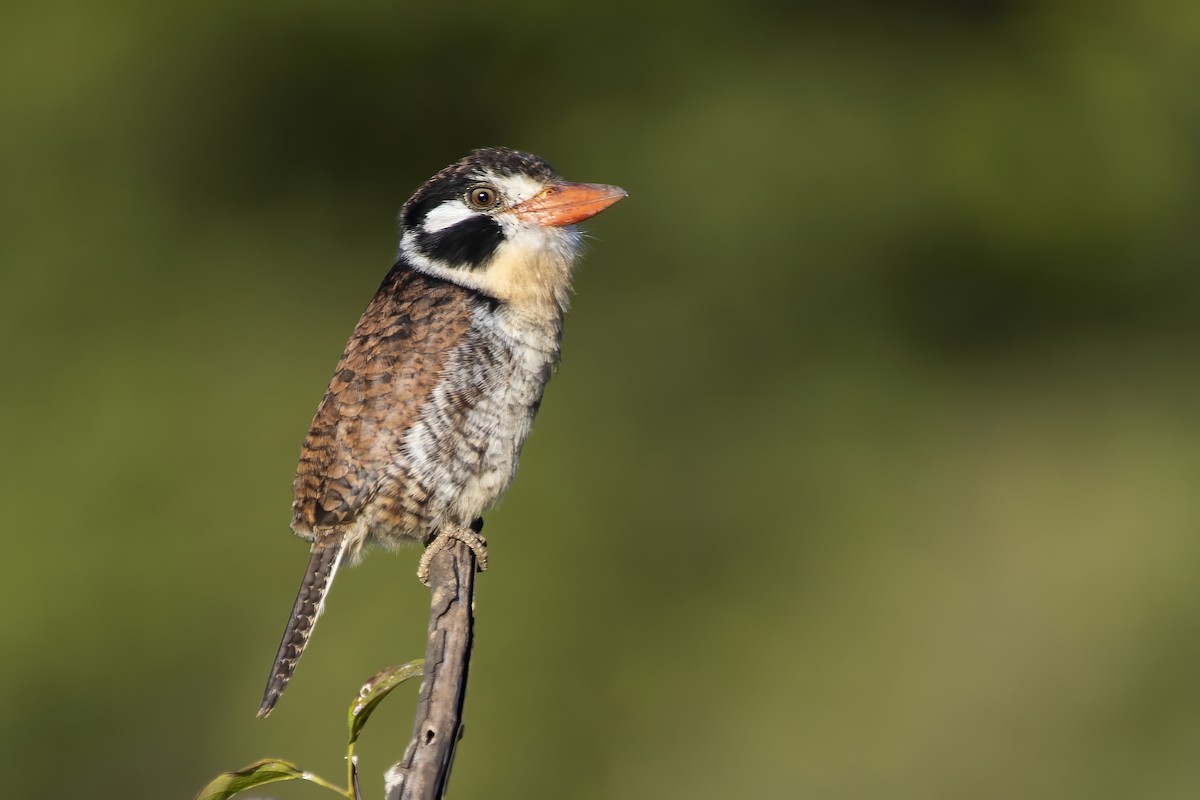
point(425, 769)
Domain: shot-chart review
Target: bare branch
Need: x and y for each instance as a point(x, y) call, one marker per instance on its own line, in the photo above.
point(425, 769)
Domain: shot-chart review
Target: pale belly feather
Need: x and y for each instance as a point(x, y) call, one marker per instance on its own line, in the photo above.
point(462, 453)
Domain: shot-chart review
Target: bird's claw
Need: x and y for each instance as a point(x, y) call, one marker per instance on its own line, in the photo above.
point(444, 538)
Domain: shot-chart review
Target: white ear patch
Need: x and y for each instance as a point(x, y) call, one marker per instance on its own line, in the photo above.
point(446, 214)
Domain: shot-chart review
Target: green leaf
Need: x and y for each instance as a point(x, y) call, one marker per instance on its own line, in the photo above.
point(374, 690)
point(269, 770)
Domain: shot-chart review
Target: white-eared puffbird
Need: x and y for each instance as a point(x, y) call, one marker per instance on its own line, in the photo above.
point(420, 429)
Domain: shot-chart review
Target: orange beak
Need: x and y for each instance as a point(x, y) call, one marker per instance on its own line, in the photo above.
point(567, 203)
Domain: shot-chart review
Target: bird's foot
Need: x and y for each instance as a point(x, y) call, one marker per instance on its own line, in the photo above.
point(454, 533)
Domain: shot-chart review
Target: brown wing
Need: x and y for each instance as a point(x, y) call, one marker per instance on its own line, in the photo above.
point(389, 369)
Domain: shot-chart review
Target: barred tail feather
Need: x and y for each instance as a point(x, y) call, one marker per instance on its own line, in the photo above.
point(310, 601)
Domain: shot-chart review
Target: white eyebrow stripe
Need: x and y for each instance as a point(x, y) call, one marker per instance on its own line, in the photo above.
point(517, 188)
point(442, 216)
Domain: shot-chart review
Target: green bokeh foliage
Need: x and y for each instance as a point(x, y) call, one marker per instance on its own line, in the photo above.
point(870, 470)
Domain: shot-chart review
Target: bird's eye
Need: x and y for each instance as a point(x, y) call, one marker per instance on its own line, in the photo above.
point(483, 197)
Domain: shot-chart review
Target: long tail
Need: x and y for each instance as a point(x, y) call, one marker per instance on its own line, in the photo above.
point(310, 601)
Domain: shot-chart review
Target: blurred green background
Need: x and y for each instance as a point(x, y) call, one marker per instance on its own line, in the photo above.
point(870, 471)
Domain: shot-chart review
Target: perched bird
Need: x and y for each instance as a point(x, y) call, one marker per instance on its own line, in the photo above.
point(420, 429)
